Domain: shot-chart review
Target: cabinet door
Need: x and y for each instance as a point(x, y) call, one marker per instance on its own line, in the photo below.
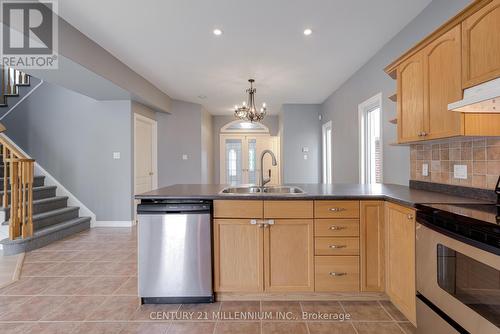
point(442, 85)
point(400, 258)
point(238, 255)
point(411, 99)
point(481, 45)
point(289, 257)
point(372, 245)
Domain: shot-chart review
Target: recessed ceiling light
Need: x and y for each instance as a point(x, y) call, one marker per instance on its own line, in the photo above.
point(308, 31)
point(217, 32)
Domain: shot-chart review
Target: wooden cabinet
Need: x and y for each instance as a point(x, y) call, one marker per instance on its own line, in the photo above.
point(400, 258)
point(238, 255)
point(464, 52)
point(258, 246)
point(481, 45)
point(411, 99)
point(288, 255)
point(337, 273)
point(336, 209)
point(442, 85)
point(372, 252)
point(427, 82)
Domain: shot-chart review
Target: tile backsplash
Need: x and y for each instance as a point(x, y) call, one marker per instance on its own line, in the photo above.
point(480, 155)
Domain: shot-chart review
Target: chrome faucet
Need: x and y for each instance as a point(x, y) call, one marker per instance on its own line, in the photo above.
point(263, 180)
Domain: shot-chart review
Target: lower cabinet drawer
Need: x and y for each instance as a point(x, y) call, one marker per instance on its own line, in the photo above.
point(336, 246)
point(336, 227)
point(336, 273)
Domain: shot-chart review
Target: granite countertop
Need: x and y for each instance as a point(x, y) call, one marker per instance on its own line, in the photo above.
point(395, 193)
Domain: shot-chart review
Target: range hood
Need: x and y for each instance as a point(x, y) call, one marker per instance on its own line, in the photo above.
point(483, 98)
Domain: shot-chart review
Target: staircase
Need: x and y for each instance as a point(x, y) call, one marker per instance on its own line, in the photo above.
point(35, 214)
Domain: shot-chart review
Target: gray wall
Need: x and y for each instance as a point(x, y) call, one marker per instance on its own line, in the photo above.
point(181, 133)
point(207, 149)
point(270, 121)
point(300, 128)
point(73, 137)
point(342, 106)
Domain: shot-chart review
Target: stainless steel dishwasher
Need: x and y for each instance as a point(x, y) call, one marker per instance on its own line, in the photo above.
point(175, 251)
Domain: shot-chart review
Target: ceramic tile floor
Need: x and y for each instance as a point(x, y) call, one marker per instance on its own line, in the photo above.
point(8, 265)
point(87, 284)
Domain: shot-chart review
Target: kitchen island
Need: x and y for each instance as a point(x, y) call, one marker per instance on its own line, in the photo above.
point(343, 241)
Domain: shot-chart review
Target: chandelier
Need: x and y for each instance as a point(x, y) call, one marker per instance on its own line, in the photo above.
point(247, 111)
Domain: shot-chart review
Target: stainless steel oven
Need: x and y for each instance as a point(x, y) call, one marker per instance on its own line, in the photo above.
point(458, 285)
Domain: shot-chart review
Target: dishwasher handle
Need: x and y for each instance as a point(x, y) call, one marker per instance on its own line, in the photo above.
point(172, 208)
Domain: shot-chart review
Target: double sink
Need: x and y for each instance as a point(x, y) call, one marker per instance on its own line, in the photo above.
point(255, 190)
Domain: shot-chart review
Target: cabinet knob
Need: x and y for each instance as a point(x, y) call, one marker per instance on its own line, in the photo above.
point(270, 222)
point(337, 246)
point(410, 217)
point(336, 228)
point(253, 221)
point(333, 273)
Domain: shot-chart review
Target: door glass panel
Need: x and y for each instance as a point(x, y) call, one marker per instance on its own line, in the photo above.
point(473, 283)
point(252, 161)
point(233, 161)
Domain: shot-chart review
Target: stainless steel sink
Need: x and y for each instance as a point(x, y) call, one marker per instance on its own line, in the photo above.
point(241, 190)
point(271, 190)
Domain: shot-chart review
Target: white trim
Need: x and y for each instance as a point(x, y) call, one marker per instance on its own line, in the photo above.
point(372, 102)
point(21, 100)
point(52, 181)
point(324, 128)
point(112, 223)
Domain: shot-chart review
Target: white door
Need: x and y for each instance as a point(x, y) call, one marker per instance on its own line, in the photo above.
point(240, 158)
point(144, 154)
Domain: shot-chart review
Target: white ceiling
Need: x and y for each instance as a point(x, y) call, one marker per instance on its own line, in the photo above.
point(170, 43)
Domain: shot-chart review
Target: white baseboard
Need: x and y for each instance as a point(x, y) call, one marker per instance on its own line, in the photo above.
point(112, 223)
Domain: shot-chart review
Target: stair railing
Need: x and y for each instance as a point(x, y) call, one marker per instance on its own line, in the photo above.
point(18, 168)
point(19, 174)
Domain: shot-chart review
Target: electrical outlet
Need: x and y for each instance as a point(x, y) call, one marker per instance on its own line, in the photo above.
point(305, 156)
point(425, 169)
point(460, 172)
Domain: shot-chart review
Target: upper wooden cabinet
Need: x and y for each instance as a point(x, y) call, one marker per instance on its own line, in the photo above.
point(411, 99)
point(442, 85)
point(481, 45)
point(462, 53)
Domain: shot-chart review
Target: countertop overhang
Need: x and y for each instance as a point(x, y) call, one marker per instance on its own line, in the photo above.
point(391, 192)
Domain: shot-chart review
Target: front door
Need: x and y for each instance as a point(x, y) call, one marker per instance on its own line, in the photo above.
point(240, 158)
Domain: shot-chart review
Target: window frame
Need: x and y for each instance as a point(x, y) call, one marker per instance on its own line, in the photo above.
point(363, 109)
point(327, 161)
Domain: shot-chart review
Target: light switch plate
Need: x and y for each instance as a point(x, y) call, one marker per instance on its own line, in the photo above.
point(184, 157)
point(116, 155)
point(305, 149)
point(305, 156)
point(460, 172)
point(425, 169)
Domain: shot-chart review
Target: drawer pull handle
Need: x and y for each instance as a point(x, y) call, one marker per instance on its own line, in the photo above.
point(337, 209)
point(333, 273)
point(337, 228)
point(337, 246)
point(253, 222)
